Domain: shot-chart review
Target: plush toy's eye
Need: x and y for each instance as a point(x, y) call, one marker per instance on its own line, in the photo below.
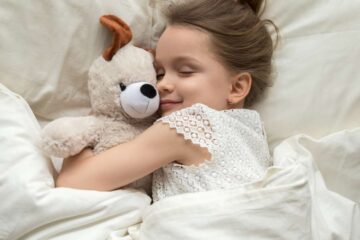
point(122, 86)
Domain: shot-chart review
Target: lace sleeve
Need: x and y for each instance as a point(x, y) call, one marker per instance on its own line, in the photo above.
point(194, 124)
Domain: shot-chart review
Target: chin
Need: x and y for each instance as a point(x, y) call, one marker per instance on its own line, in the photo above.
point(167, 110)
point(166, 113)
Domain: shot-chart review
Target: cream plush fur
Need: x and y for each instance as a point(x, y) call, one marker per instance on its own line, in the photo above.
point(123, 99)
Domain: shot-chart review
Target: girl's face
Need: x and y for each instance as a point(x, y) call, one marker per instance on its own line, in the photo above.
point(188, 71)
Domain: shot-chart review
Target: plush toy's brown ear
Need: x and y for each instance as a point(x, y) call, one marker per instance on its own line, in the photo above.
point(121, 34)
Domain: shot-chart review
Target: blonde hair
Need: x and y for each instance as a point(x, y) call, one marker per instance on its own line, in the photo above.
point(239, 37)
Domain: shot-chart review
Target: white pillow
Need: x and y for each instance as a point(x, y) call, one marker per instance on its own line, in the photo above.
point(31, 208)
point(317, 84)
point(47, 47)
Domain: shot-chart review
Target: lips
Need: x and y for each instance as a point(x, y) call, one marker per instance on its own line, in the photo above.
point(169, 101)
point(168, 104)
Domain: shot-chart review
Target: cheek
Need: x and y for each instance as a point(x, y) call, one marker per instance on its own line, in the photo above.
point(190, 87)
point(218, 85)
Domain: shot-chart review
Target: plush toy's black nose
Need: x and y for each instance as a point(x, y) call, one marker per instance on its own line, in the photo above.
point(148, 90)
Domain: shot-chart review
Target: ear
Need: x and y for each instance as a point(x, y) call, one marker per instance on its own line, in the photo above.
point(121, 34)
point(240, 88)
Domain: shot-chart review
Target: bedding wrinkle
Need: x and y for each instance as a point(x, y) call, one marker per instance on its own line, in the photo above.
point(311, 115)
point(277, 206)
point(47, 48)
point(338, 161)
point(41, 211)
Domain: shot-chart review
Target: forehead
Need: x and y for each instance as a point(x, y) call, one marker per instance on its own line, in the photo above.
point(183, 40)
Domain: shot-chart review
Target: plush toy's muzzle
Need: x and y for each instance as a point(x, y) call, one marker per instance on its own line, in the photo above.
point(139, 100)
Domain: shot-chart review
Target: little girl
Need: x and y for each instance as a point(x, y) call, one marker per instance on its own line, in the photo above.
point(212, 60)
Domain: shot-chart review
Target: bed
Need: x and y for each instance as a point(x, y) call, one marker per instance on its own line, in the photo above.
point(311, 114)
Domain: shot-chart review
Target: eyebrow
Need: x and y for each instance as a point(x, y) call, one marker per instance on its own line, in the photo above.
point(179, 60)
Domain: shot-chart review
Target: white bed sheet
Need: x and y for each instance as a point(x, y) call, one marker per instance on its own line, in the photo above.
point(316, 92)
point(31, 208)
point(291, 202)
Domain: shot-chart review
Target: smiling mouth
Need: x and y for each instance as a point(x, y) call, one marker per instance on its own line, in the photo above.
point(167, 105)
point(165, 101)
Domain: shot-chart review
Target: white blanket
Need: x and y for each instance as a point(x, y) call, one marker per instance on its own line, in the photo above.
point(313, 192)
point(292, 201)
point(31, 208)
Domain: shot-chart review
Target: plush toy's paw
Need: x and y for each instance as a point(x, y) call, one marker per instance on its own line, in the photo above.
point(66, 137)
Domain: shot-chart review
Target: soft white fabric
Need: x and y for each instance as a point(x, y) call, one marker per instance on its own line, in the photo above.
point(317, 82)
point(47, 48)
point(31, 208)
point(290, 202)
point(235, 140)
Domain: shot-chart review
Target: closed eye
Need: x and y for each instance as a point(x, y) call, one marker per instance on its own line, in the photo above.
point(186, 73)
point(159, 76)
point(160, 73)
point(185, 70)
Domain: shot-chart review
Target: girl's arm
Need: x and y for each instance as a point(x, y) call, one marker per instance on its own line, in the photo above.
point(127, 162)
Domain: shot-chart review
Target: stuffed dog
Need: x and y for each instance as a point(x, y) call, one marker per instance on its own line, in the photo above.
point(123, 99)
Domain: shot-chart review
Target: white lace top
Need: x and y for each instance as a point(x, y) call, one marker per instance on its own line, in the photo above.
point(236, 141)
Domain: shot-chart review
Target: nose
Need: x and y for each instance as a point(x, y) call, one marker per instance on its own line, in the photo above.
point(164, 85)
point(148, 90)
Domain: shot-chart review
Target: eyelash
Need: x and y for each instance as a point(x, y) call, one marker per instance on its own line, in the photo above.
point(159, 76)
point(183, 73)
point(187, 73)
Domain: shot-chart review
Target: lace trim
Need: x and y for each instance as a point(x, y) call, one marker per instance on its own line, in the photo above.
point(237, 145)
point(194, 124)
